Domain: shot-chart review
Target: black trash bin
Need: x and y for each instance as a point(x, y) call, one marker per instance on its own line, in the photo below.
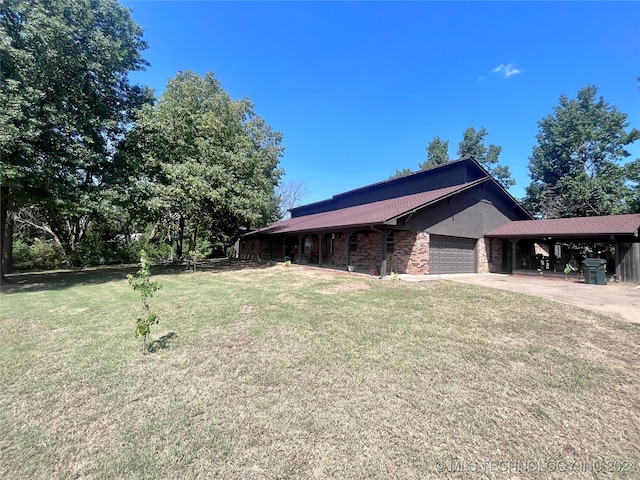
point(595, 271)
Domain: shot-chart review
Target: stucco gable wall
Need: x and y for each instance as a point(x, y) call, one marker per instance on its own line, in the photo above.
point(470, 214)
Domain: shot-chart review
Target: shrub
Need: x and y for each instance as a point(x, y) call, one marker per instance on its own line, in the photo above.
point(22, 257)
point(47, 254)
point(90, 251)
point(158, 252)
point(40, 255)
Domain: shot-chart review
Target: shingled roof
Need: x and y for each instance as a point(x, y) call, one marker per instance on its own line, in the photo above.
point(578, 227)
point(375, 213)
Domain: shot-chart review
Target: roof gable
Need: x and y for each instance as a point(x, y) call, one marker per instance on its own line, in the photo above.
point(374, 213)
point(457, 172)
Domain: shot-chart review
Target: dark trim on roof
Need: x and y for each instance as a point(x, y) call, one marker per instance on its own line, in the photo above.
point(338, 196)
point(419, 172)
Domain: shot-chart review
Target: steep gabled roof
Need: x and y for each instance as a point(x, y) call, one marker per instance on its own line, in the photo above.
point(375, 213)
point(471, 161)
point(455, 172)
point(578, 227)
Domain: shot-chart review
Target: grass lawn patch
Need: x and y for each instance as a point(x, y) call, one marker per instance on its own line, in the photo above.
point(301, 373)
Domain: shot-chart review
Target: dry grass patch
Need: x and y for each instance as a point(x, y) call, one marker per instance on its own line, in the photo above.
point(294, 373)
point(345, 288)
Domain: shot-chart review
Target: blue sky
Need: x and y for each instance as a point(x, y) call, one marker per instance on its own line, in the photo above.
point(359, 89)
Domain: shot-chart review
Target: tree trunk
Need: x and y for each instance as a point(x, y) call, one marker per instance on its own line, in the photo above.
point(192, 239)
point(180, 238)
point(154, 232)
point(4, 203)
point(7, 248)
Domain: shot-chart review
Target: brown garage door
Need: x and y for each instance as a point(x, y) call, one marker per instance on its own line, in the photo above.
point(452, 255)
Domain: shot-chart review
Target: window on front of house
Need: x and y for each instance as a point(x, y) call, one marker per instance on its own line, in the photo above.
point(353, 242)
point(390, 242)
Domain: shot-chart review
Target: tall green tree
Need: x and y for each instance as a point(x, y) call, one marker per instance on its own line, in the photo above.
point(401, 173)
point(632, 174)
point(204, 159)
point(472, 143)
point(65, 101)
point(575, 167)
point(437, 153)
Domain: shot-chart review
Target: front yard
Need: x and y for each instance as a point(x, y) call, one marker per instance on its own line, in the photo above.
point(279, 372)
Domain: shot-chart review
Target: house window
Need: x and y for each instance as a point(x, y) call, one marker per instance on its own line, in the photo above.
point(307, 245)
point(390, 242)
point(353, 242)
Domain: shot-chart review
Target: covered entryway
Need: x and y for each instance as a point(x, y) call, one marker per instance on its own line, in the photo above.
point(452, 255)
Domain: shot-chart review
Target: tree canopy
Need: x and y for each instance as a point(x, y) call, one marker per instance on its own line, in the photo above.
point(575, 167)
point(401, 173)
point(201, 158)
point(472, 144)
point(437, 153)
point(65, 102)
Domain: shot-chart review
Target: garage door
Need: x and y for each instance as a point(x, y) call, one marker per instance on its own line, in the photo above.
point(452, 255)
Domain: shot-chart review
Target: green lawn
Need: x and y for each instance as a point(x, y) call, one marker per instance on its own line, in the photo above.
point(280, 372)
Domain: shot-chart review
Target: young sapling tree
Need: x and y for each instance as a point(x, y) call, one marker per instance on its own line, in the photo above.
point(195, 256)
point(147, 287)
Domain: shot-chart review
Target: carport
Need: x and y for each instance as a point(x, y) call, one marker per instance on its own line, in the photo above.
point(618, 230)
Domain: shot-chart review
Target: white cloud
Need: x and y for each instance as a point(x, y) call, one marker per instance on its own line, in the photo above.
point(502, 70)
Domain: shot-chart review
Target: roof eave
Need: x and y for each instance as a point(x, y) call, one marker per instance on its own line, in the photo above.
point(564, 236)
point(329, 229)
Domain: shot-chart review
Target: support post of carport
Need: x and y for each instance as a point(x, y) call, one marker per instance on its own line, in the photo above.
point(552, 255)
point(619, 269)
point(383, 248)
point(320, 237)
point(348, 247)
point(513, 241)
point(300, 249)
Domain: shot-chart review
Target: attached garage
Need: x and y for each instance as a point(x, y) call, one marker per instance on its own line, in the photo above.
point(452, 255)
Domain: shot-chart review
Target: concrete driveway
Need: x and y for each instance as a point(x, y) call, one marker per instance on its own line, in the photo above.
point(615, 300)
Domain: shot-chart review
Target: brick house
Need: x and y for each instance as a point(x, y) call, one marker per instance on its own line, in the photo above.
point(429, 222)
point(453, 218)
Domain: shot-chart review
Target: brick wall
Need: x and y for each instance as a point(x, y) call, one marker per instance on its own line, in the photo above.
point(368, 252)
point(340, 250)
point(411, 252)
point(489, 255)
point(419, 263)
point(403, 244)
point(495, 263)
